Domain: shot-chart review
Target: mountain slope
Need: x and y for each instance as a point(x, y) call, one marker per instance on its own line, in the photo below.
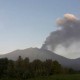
point(42, 54)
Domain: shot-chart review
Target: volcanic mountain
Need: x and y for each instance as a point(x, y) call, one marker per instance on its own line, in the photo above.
point(42, 54)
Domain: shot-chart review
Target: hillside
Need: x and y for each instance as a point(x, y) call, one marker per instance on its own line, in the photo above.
point(42, 54)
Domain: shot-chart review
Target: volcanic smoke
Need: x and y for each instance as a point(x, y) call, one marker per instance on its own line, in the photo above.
point(66, 39)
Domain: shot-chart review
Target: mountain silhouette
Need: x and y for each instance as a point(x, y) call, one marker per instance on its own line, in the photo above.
point(42, 54)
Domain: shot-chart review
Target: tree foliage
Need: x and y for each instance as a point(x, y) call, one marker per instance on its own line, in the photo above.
point(24, 69)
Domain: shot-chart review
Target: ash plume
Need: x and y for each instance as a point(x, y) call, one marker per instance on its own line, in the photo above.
point(66, 39)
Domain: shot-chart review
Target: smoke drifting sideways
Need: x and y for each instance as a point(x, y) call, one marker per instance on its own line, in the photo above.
point(65, 40)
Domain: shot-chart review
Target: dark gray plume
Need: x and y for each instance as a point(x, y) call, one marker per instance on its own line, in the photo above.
point(66, 39)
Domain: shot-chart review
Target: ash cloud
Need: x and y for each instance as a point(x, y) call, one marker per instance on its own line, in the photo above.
point(66, 39)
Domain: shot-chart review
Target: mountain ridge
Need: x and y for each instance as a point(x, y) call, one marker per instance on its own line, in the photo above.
point(42, 54)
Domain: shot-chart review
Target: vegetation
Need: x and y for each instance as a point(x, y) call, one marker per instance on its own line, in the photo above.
point(59, 77)
point(23, 69)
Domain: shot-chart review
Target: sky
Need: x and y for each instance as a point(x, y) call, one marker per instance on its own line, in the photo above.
point(27, 23)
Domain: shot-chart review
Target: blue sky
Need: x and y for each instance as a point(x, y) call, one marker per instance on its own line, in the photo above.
point(27, 23)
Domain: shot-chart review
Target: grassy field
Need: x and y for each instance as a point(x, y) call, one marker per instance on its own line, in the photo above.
point(59, 77)
point(54, 77)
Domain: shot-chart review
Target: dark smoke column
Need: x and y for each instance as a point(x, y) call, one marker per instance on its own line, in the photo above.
point(67, 34)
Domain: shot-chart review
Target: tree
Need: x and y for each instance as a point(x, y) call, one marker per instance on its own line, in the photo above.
point(26, 66)
point(56, 67)
point(11, 69)
point(3, 67)
point(19, 67)
point(36, 67)
point(48, 66)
